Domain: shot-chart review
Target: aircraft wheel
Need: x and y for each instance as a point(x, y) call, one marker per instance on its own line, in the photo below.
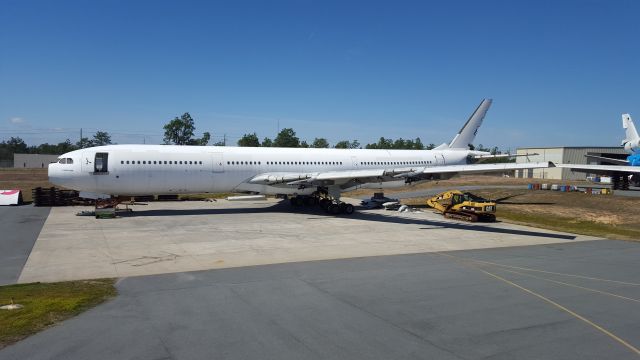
point(349, 209)
point(334, 209)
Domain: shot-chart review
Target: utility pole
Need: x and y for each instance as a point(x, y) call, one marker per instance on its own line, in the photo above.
point(224, 140)
point(80, 142)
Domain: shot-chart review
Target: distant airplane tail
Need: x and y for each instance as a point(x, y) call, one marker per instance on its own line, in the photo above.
point(629, 127)
point(467, 134)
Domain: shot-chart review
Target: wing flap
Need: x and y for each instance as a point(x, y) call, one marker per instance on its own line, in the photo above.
point(601, 169)
point(485, 168)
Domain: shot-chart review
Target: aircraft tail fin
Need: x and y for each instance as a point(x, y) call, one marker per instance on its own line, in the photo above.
point(630, 129)
point(467, 134)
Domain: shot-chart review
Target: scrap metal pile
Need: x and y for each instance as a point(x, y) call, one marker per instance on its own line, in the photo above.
point(55, 197)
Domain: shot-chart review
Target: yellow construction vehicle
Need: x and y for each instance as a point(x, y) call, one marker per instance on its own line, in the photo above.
point(455, 204)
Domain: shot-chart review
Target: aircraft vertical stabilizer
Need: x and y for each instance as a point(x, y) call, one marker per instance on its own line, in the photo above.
point(630, 129)
point(468, 132)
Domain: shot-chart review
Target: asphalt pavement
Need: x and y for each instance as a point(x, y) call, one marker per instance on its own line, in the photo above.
point(559, 301)
point(20, 228)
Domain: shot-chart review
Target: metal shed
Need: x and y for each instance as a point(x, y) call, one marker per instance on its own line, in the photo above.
point(564, 155)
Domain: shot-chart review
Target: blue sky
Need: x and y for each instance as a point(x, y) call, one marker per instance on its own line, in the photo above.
point(560, 72)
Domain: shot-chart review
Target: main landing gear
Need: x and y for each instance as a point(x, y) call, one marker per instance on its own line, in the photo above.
point(328, 203)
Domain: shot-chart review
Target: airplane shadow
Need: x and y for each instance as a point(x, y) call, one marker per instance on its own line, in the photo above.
point(318, 213)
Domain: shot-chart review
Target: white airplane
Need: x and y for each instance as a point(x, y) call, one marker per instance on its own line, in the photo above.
point(307, 175)
point(623, 169)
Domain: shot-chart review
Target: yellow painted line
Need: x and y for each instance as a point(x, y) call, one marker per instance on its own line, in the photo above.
point(555, 304)
point(575, 286)
point(545, 272)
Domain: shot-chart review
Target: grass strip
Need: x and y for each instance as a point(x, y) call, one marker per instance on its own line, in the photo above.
point(46, 304)
point(570, 225)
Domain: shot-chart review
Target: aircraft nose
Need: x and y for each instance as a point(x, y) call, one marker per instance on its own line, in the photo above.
point(55, 174)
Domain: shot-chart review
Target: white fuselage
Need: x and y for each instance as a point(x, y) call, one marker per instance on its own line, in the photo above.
point(171, 169)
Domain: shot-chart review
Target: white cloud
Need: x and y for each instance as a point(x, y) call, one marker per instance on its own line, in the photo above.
point(17, 120)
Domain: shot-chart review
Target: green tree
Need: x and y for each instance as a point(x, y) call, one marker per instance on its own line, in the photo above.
point(249, 140)
point(303, 144)
point(101, 138)
point(16, 145)
point(431, 146)
point(343, 144)
point(286, 138)
point(180, 131)
point(267, 142)
point(320, 143)
point(381, 144)
point(418, 145)
point(65, 147)
point(204, 140)
point(84, 143)
point(346, 144)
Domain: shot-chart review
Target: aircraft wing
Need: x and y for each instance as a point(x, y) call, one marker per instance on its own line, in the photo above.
point(350, 178)
point(608, 159)
point(601, 169)
point(485, 168)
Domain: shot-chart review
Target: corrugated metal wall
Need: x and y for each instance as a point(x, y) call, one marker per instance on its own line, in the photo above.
point(561, 155)
point(544, 154)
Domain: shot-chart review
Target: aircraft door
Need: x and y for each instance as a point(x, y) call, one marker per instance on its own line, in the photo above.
point(101, 163)
point(217, 162)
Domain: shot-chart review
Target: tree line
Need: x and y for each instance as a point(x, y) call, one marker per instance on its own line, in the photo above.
point(181, 131)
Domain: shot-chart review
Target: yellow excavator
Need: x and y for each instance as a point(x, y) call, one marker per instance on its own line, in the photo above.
point(455, 204)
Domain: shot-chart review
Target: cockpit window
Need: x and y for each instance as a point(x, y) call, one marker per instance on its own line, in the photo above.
point(62, 161)
point(69, 161)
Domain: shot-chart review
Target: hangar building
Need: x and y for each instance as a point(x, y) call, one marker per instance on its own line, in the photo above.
point(565, 155)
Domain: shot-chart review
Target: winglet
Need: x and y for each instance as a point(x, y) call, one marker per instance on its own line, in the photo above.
point(467, 134)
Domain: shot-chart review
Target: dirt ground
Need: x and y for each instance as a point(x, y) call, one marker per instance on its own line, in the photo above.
point(477, 180)
point(23, 179)
point(607, 216)
point(600, 215)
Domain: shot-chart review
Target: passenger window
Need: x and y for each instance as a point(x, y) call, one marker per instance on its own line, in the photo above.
point(200, 162)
